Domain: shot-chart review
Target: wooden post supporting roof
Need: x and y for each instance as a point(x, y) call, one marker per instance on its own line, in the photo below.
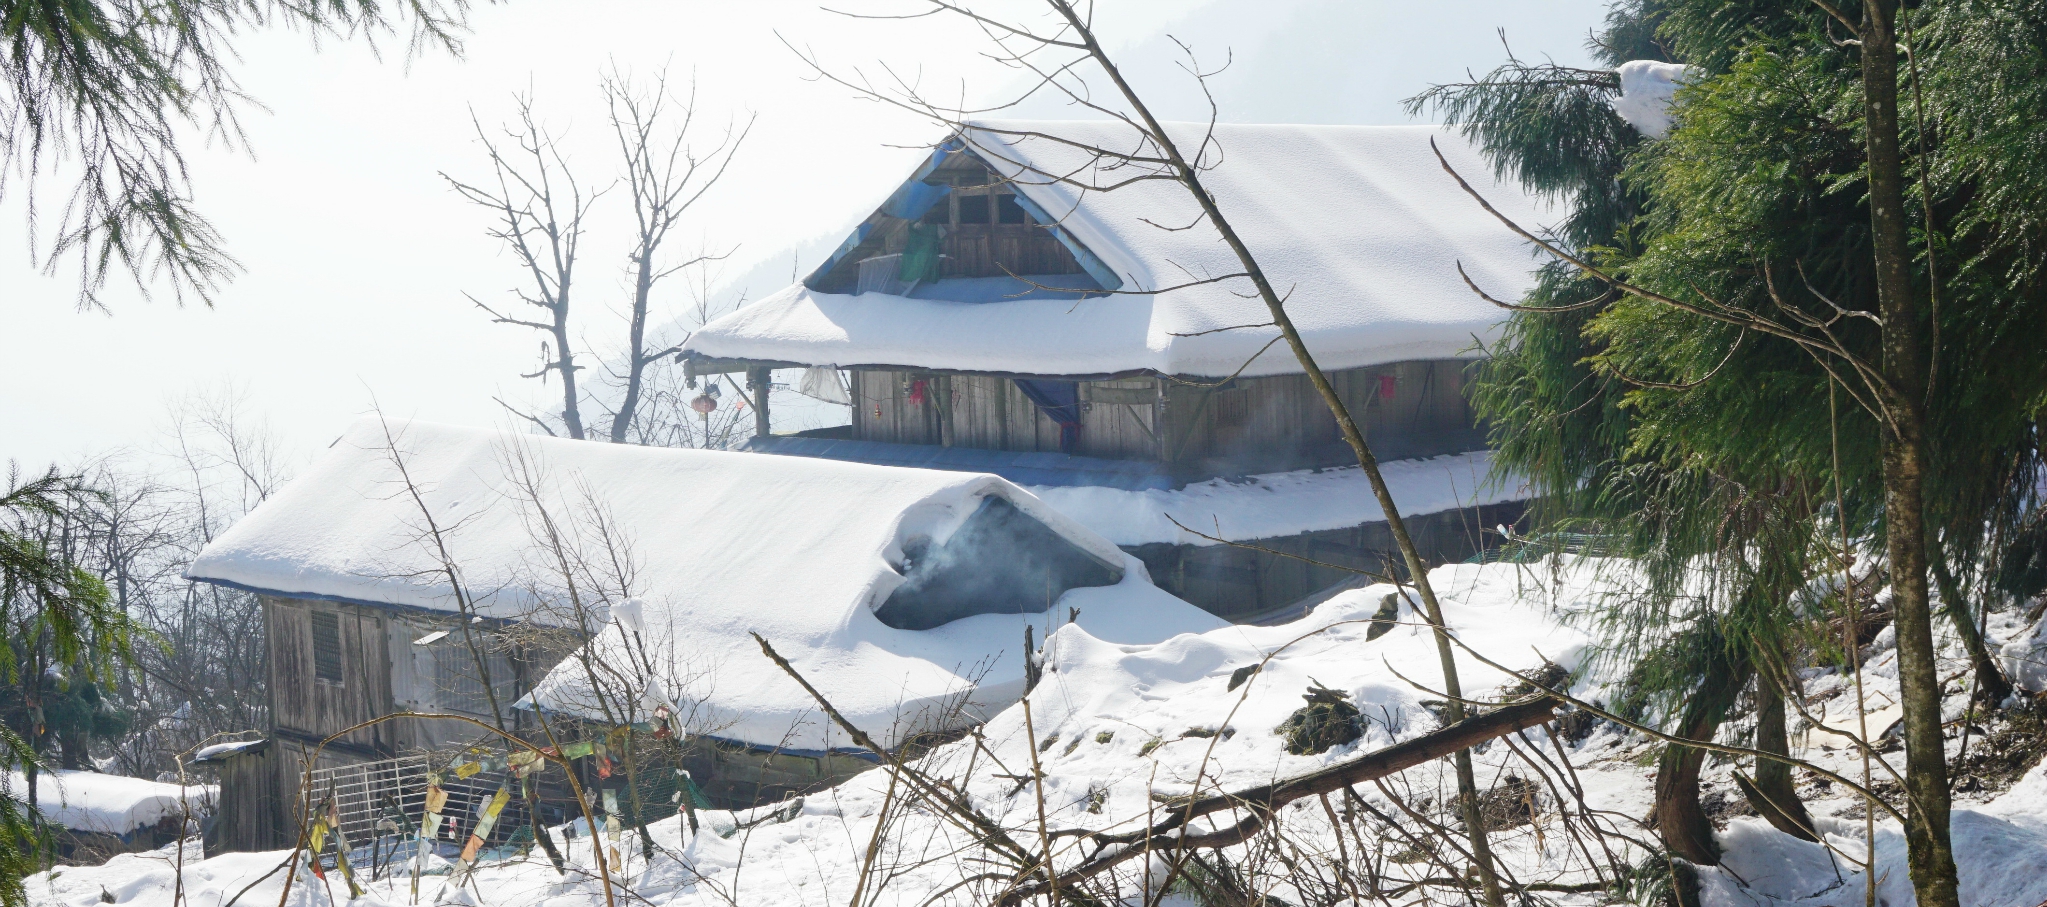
point(760, 381)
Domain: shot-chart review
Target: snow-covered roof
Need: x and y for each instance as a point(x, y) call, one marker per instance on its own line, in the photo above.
point(221, 752)
point(717, 545)
point(1357, 226)
point(108, 804)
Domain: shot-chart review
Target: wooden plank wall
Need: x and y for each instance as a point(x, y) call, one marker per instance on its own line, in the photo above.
point(1250, 425)
point(992, 414)
point(383, 673)
point(306, 705)
point(1275, 423)
point(1120, 419)
point(258, 800)
point(997, 250)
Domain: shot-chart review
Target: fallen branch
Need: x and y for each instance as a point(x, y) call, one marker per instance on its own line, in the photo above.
point(1264, 800)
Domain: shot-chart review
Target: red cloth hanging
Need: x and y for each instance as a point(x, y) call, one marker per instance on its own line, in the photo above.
point(917, 392)
point(1387, 383)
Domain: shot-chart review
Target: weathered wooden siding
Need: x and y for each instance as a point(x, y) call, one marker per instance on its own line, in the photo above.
point(383, 672)
point(1120, 419)
point(989, 413)
point(304, 705)
point(1250, 425)
point(259, 806)
point(1406, 410)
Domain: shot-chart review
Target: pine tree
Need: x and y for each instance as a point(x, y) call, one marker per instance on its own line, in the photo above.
point(1697, 445)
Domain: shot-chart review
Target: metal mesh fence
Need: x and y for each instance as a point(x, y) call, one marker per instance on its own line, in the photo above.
point(379, 803)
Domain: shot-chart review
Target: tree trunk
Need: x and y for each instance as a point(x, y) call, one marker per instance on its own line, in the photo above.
point(565, 362)
point(1904, 457)
point(1679, 817)
point(1991, 684)
point(636, 341)
point(1773, 794)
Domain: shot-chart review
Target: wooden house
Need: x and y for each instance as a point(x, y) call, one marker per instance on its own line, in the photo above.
point(1002, 312)
point(887, 586)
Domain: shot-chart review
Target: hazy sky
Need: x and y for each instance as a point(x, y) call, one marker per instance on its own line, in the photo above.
point(357, 255)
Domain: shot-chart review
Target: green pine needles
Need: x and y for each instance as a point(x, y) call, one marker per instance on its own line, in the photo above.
point(1727, 463)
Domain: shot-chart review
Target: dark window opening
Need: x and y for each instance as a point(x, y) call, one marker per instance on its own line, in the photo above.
point(973, 209)
point(327, 646)
point(1001, 561)
point(1007, 211)
point(940, 212)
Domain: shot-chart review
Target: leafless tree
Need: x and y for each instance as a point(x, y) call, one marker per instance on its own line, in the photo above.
point(543, 210)
point(664, 177)
point(152, 516)
point(540, 209)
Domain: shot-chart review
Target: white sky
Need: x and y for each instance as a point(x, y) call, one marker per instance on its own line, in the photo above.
point(357, 255)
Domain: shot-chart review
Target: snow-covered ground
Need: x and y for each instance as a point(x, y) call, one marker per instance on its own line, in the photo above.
point(1120, 731)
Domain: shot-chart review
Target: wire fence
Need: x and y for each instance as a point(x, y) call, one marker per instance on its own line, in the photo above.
point(378, 804)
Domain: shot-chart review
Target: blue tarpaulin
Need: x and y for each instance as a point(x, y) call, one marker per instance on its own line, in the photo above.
point(1087, 260)
point(914, 198)
point(1059, 400)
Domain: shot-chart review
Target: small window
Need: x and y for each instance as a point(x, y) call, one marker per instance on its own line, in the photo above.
point(940, 212)
point(327, 646)
point(1007, 211)
point(973, 209)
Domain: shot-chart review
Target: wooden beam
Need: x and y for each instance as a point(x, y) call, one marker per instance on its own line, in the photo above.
point(760, 381)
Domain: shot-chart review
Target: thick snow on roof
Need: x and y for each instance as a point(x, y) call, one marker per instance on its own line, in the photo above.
point(1357, 226)
point(717, 545)
point(107, 804)
point(221, 752)
point(1282, 504)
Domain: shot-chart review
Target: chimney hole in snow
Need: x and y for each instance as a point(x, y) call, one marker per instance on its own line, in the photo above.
point(1000, 561)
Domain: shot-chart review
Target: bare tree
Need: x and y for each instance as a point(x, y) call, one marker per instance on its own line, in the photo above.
point(664, 177)
point(144, 524)
point(543, 210)
point(540, 209)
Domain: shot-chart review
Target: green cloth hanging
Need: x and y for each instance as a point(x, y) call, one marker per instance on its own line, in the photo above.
point(920, 256)
point(695, 794)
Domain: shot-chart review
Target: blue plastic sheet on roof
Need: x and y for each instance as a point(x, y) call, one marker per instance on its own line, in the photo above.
point(845, 248)
point(945, 149)
point(913, 198)
point(1021, 467)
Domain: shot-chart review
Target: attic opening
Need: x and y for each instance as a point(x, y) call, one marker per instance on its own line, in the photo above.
point(958, 232)
point(1000, 561)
